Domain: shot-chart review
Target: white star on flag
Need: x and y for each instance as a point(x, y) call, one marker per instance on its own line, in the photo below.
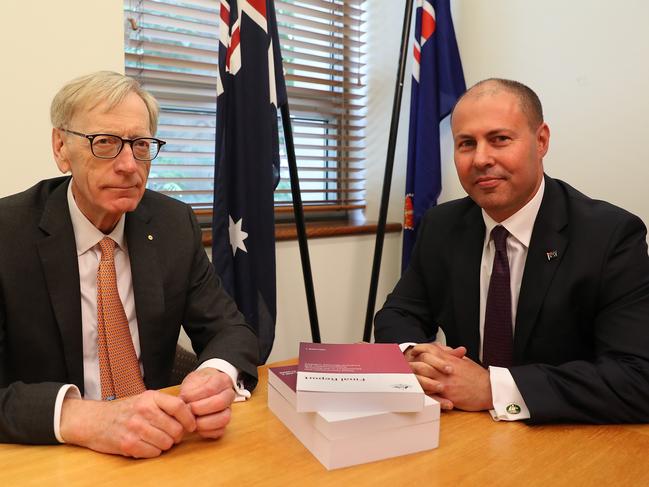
point(237, 236)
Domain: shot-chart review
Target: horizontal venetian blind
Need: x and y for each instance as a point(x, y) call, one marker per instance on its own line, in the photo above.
point(171, 47)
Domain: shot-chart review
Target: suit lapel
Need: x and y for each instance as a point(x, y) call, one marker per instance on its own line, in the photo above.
point(57, 251)
point(147, 282)
point(547, 248)
point(467, 254)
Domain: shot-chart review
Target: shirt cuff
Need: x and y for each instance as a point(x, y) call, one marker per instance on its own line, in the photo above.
point(406, 346)
point(68, 391)
point(507, 399)
point(227, 368)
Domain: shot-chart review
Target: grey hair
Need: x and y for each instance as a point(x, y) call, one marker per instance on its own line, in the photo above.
point(86, 92)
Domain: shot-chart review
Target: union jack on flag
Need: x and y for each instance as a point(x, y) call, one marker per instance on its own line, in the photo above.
point(250, 88)
point(437, 82)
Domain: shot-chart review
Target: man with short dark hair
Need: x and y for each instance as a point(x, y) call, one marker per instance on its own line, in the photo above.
point(542, 293)
point(97, 274)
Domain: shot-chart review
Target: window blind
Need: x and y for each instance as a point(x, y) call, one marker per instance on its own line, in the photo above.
point(171, 47)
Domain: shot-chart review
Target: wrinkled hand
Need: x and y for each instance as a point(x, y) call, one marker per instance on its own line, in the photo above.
point(141, 426)
point(209, 394)
point(452, 378)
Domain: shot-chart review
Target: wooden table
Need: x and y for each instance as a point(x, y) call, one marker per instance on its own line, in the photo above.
point(258, 450)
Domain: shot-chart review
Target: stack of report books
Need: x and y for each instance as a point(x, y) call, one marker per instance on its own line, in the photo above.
point(353, 403)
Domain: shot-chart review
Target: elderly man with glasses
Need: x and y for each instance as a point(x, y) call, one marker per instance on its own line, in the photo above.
point(97, 274)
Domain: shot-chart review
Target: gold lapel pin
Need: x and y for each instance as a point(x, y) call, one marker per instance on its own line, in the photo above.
point(150, 237)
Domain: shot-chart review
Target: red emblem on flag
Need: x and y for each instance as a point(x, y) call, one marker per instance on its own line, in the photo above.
point(408, 213)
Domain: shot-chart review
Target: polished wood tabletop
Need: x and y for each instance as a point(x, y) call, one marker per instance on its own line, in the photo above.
point(257, 449)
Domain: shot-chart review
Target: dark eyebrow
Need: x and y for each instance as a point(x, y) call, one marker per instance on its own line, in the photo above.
point(499, 131)
point(463, 136)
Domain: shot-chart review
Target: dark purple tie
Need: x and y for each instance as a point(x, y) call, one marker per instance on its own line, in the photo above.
point(498, 343)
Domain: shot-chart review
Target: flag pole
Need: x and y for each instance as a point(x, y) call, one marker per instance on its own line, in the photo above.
point(387, 178)
point(298, 211)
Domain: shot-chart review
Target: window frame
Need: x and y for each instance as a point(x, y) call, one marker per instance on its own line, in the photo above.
point(339, 153)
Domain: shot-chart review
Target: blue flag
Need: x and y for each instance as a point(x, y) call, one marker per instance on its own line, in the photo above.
point(437, 82)
point(250, 88)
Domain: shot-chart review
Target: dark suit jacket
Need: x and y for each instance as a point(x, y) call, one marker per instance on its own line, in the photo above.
point(40, 303)
point(581, 344)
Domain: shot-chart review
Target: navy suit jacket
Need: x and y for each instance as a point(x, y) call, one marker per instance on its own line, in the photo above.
point(581, 340)
point(174, 284)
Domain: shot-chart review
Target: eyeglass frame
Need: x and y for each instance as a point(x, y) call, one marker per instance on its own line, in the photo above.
point(91, 138)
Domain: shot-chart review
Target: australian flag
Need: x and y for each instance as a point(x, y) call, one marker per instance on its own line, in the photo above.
point(437, 82)
point(250, 88)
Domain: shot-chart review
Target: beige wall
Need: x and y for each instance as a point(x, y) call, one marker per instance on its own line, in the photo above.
point(585, 58)
point(45, 44)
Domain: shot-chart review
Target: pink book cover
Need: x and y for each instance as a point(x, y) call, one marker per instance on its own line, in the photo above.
point(352, 358)
point(287, 374)
point(357, 368)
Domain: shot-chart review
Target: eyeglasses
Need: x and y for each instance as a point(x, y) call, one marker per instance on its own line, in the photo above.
point(107, 146)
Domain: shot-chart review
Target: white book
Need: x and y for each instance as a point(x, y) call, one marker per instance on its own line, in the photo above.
point(342, 439)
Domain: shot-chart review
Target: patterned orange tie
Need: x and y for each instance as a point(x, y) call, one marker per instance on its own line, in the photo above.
point(118, 365)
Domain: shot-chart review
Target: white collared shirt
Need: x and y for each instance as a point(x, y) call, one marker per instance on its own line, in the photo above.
point(520, 226)
point(87, 238)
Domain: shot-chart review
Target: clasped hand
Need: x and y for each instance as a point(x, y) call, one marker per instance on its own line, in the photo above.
point(450, 377)
point(145, 425)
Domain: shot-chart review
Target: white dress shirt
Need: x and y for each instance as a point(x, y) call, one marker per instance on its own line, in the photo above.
point(520, 225)
point(87, 238)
